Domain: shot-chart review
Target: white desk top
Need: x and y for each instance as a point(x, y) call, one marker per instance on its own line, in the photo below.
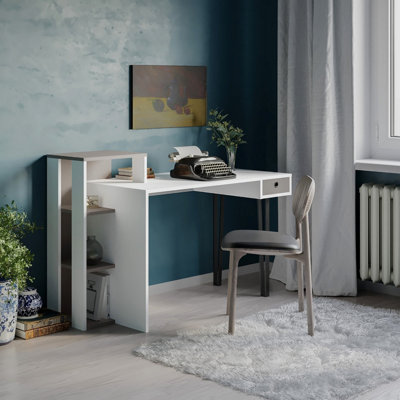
point(164, 184)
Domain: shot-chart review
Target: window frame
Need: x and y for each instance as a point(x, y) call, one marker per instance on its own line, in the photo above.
point(383, 143)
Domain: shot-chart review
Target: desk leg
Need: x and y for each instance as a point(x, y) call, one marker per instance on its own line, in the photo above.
point(221, 234)
point(264, 260)
point(218, 228)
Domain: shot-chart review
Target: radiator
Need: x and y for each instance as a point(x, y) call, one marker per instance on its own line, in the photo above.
point(380, 233)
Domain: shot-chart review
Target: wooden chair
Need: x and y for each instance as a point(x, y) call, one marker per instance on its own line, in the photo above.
point(240, 243)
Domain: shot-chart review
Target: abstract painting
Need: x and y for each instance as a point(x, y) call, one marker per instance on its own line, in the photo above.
point(164, 96)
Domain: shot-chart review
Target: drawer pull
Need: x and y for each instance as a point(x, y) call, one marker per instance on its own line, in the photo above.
point(276, 184)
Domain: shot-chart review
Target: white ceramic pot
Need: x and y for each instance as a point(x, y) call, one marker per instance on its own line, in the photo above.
point(8, 311)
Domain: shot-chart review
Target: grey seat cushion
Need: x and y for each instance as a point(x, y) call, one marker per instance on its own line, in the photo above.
point(264, 240)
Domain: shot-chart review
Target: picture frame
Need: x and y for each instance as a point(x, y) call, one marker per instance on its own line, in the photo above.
point(167, 96)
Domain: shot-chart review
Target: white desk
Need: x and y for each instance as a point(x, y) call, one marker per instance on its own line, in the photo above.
point(127, 230)
point(121, 226)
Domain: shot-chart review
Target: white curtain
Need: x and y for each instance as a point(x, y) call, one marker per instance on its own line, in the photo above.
point(315, 135)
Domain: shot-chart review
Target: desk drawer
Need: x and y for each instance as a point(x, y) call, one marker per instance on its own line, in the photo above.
point(276, 186)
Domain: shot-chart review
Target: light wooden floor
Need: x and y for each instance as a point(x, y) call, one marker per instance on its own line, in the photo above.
point(100, 365)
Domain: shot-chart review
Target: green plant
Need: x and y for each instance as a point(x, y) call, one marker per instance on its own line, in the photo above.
point(15, 257)
point(224, 133)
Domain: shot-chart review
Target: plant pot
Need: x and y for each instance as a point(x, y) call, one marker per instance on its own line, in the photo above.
point(8, 311)
point(29, 303)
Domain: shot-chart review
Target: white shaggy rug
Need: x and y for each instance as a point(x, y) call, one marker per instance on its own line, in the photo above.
point(355, 348)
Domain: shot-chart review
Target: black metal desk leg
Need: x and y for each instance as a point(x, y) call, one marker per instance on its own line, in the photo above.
point(264, 260)
point(221, 234)
point(218, 226)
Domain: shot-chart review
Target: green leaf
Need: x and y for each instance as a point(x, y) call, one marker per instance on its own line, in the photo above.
point(15, 257)
point(223, 132)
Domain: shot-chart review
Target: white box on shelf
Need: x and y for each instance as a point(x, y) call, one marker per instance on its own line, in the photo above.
point(97, 295)
point(139, 167)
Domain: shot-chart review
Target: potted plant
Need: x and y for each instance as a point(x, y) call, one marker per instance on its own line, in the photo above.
point(15, 261)
point(224, 133)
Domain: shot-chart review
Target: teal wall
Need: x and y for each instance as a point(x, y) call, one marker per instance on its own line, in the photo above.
point(64, 87)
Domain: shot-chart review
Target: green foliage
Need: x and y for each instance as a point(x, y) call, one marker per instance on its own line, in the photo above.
point(15, 257)
point(223, 133)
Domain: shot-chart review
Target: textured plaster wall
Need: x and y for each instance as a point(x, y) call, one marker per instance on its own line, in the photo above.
point(64, 87)
point(64, 75)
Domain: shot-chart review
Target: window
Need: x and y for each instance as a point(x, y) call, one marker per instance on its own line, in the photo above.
point(382, 54)
point(395, 68)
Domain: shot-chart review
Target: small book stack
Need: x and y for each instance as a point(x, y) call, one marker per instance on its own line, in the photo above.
point(126, 173)
point(46, 323)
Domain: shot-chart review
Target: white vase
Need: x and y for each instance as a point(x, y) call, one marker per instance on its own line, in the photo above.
point(8, 311)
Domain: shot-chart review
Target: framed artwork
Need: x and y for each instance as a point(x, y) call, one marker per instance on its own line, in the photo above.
point(164, 96)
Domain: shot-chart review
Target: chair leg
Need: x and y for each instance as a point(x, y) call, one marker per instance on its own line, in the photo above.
point(307, 265)
point(236, 257)
point(310, 314)
point(264, 276)
point(300, 285)
point(228, 297)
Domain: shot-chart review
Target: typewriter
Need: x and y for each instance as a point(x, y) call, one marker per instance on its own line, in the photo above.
point(201, 167)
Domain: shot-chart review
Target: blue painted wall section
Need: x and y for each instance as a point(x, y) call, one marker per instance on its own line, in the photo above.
point(253, 102)
point(64, 87)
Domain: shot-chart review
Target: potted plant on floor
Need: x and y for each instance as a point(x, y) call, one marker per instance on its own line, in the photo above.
point(15, 261)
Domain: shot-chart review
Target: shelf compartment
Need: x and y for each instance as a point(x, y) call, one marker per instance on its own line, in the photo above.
point(90, 211)
point(99, 324)
point(101, 266)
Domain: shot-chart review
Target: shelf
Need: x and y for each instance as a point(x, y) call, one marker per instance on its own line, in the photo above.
point(102, 266)
point(373, 165)
point(98, 324)
point(90, 211)
point(93, 155)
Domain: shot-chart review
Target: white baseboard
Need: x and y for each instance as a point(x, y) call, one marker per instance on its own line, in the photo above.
point(198, 280)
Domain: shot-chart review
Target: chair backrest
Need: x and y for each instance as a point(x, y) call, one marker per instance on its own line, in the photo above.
point(303, 197)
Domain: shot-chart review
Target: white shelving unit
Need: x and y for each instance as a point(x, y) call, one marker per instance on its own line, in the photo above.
point(69, 220)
